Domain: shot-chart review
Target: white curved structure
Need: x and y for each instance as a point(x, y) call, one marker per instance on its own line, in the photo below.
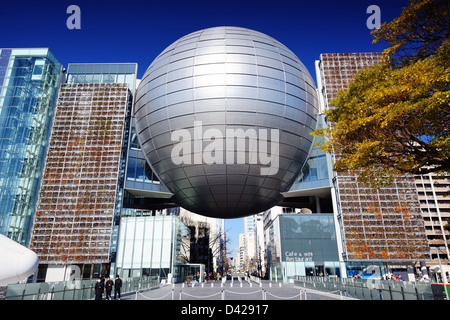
point(16, 261)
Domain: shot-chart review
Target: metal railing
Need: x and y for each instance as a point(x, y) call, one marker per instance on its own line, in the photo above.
point(72, 290)
point(369, 289)
point(225, 294)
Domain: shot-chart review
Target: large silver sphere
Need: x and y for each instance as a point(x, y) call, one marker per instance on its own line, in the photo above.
point(205, 89)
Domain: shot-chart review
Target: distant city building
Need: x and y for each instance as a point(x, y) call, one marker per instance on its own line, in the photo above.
point(434, 198)
point(29, 81)
point(250, 242)
point(242, 253)
point(207, 241)
point(255, 244)
point(250, 223)
point(260, 246)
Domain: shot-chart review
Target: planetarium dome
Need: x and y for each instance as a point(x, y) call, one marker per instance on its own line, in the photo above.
point(224, 116)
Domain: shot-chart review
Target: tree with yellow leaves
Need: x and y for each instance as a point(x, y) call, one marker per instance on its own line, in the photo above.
point(395, 116)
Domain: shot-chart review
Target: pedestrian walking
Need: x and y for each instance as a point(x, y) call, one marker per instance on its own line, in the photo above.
point(108, 286)
point(117, 286)
point(99, 289)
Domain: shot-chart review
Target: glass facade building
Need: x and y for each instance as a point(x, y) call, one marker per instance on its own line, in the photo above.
point(29, 80)
point(317, 171)
point(303, 245)
point(103, 73)
point(151, 245)
point(139, 174)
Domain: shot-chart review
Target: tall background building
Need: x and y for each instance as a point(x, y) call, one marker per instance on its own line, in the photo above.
point(385, 224)
point(357, 226)
point(29, 81)
point(434, 198)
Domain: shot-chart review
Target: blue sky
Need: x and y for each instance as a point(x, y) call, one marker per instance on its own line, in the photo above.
point(138, 30)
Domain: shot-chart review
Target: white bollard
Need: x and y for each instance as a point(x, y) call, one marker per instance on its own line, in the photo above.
point(212, 284)
point(270, 284)
point(280, 284)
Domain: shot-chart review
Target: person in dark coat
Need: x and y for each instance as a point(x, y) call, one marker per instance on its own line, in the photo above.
point(108, 286)
point(117, 286)
point(99, 289)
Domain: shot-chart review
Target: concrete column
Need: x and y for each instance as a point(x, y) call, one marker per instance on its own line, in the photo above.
point(318, 204)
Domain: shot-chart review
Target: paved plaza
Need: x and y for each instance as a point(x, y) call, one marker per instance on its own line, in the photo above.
point(232, 290)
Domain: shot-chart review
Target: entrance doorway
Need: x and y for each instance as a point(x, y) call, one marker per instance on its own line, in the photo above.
point(318, 271)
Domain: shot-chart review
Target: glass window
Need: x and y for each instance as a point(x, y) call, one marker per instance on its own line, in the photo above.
point(131, 68)
point(138, 244)
point(122, 68)
point(73, 68)
point(38, 69)
point(300, 269)
point(96, 78)
point(157, 243)
point(113, 68)
point(148, 243)
point(81, 68)
point(131, 169)
point(323, 168)
point(121, 78)
point(129, 79)
point(105, 68)
point(108, 78)
point(313, 174)
point(305, 172)
point(97, 68)
point(148, 171)
point(309, 268)
point(290, 269)
point(89, 68)
point(140, 173)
